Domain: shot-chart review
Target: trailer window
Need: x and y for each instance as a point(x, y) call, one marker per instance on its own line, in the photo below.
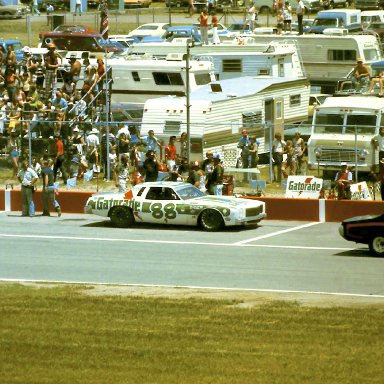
point(135, 76)
point(164, 78)
point(172, 127)
point(294, 100)
point(232, 65)
point(202, 78)
point(341, 54)
point(361, 124)
point(328, 123)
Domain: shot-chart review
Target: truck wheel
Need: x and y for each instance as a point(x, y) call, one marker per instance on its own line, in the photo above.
point(331, 5)
point(122, 217)
point(211, 220)
point(376, 246)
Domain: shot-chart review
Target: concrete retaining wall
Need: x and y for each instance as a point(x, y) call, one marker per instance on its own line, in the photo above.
point(277, 208)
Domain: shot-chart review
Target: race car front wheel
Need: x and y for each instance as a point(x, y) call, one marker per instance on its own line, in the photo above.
point(122, 217)
point(211, 220)
point(376, 245)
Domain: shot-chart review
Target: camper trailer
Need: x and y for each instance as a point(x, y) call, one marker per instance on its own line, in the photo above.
point(326, 58)
point(219, 111)
point(342, 130)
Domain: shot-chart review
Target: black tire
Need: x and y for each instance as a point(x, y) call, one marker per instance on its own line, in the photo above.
point(376, 245)
point(122, 217)
point(331, 5)
point(264, 10)
point(211, 220)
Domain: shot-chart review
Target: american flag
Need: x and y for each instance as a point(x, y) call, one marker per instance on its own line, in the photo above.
point(104, 22)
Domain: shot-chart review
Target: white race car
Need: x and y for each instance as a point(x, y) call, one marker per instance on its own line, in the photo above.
point(174, 203)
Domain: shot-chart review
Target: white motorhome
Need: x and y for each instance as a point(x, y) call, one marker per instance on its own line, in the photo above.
point(219, 111)
point(326, 58)
point(342, 130)
point(136, 79)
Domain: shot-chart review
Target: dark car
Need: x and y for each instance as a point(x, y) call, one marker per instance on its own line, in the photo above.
point(366, 230)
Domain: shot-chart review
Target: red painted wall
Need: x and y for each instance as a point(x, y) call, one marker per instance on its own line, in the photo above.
point(277, 208)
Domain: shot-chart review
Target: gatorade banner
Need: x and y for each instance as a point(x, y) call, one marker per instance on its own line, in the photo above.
point(360, 191)
point(307, 187)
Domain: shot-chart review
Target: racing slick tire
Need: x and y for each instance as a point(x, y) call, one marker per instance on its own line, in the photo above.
point(122, 217)
point(211, 220)
point(376, 245)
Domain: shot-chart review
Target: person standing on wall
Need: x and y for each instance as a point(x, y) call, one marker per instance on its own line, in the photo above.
point(250, 18)
point(214, 22)
point(300, 13)
point(78, 7)
point(203, 20)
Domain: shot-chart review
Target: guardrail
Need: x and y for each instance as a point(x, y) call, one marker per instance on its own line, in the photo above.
point(277, 208)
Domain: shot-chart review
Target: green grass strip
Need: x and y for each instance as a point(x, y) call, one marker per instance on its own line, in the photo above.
point(61, 335)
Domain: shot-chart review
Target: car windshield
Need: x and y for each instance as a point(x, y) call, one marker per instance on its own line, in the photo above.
point(189, 192)
point(236, 27)
point(325, 22)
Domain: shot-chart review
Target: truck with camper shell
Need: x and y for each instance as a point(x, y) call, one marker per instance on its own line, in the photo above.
point(349, 19)
point(342, 131)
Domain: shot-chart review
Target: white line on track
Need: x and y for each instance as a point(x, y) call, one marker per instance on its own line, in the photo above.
point(242, 242)
point(238, 244)
point(190, 287)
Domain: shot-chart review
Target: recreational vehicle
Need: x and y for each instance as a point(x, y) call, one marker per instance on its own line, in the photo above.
point(326, 58)
point(219, 111)
point(342, 130)
point(136, 79)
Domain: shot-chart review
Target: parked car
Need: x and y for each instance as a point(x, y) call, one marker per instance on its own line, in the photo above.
point(68, 37)
point(236, 28)
point(313, 6)
point(12, 11)
point(137, 3)
point(307, 24)
point(150, 29)
point(366, 5)
point(17, 47)
point(176, 3)
point(175, 203)
point(367, 229)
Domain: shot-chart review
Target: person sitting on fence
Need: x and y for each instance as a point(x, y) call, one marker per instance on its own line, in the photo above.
point(377, 79)
point(343, 181)
point(360, 74)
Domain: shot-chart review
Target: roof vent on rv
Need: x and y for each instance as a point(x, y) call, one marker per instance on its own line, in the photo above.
point(216, 87)
point(176, 56)
point(335, 31)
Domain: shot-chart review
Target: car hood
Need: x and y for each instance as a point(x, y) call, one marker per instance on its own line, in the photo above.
point(359, 219)
point(224, 200)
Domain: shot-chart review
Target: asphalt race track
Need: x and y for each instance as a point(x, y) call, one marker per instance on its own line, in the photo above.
point(277, 255)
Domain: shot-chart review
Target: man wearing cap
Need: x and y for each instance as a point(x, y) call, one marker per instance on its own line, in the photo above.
point(360, 74)
point(343, 181)
point(51, 65)
point(243, 144)
point(216, 178)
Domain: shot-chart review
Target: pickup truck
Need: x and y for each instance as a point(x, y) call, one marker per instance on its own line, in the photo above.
point(349, 19)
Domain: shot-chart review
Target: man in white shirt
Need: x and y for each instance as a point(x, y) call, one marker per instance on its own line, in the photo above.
point(28, 178)
point(300, 13)
point(78, 7)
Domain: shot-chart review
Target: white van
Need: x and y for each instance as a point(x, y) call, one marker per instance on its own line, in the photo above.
point(368, 17)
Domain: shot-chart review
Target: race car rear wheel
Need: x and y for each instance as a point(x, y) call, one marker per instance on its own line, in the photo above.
point(122, 217)
point(211, 220)
point(376, 245)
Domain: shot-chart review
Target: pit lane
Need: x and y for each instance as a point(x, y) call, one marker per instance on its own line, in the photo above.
point(274, 256)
